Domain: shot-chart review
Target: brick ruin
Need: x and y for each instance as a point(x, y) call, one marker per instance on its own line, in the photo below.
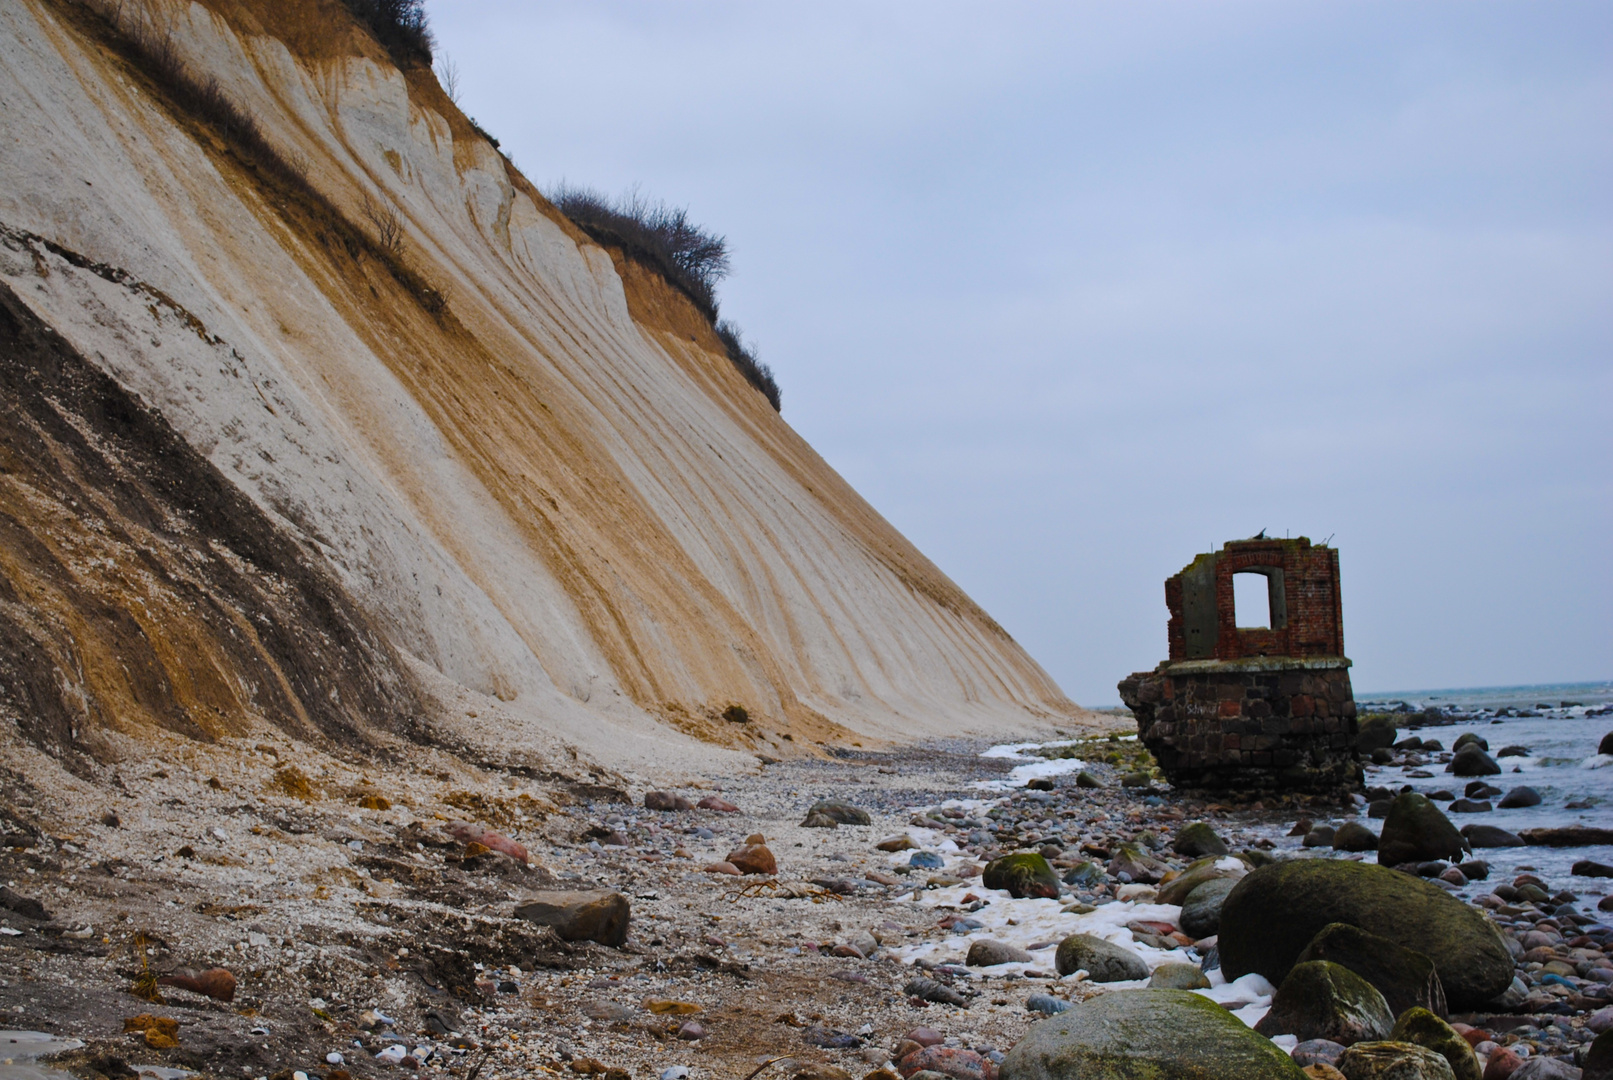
point(1240, 708)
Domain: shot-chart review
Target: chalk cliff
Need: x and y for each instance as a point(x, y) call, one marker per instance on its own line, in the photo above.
point(262, 464)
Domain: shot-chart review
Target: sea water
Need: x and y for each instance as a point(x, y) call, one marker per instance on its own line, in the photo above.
point(1561, 725)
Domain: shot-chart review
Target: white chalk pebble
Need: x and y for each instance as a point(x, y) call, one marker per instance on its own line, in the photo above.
point(676, 1072)
point(392, 1054)
point(333, 1058)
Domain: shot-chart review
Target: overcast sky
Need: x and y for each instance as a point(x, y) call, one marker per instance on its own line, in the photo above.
point(1073, 292)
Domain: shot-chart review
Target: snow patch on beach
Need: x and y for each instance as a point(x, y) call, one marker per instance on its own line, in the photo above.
point(1034, 766)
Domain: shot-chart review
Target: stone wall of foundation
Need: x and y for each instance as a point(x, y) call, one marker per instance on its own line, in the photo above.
point(1266, 723)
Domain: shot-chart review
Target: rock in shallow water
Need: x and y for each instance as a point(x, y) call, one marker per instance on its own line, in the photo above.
point(1490, 836)
point(1322, 1000)
point(1199, 839)
point(1159, 1034)
point(1273, 914)
point(1417, 831)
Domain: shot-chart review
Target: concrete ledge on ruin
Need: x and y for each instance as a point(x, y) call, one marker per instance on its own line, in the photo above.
point(1254, 663)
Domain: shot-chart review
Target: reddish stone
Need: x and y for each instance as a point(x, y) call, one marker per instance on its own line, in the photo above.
point(666, 800)
point(754, 859)
point(216, 983)
point(924, 1036)
point(1502, 1064)
point(950, 1061)
point(467, 833)
point(713, 802)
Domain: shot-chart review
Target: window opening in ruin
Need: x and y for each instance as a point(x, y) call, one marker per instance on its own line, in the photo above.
point(1251, 601)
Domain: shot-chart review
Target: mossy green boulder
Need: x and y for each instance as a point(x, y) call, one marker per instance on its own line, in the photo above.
point(1405, 977)
point(1320, 1000)
point(1427, 1030)
point(1103, 961)
point(1199, 839)
point(1271, 916)
point(841, 813)
point(1393, 1061)
point(1354, 836)
point(1022, 874)
point(1146, 1035)
point(1176, 890)
point(1416, 830)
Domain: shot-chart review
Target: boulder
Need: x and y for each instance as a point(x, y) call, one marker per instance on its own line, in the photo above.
point(1323, 1071)
point(1085, 779)
point(1518, 798)
point(1176, 890)
point(1201, 911)
point(1471, 806)
point(1103, 961)
point(1606, 745)
point(1540, 1067)
point(1322, 1000)
point(1416, 831)
point(988, 953)
point(1471, 761)
point(1178, 977)
point(1598, 1061)
point(666, 800)
point(1568, 836)
point(1198, 839)
point(718, 803)
point(1317, 1052)
point(1129, 859)
point(1159, 1034)
point(945, 1061)
point(1427, 1030)
point(593, 915)
point(1377, 732)
point(843, 813)
point(1271, 916)
point(1469, 738)
point(1354, 836)
point(1393, 1061)
point(754, 859)
point(1490, 836)
point(1022, 874)
point(1406, 978)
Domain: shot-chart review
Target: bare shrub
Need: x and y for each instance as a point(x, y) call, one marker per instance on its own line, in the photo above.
point(744, 358)
point(388, 226)
point(690, 258)
point(448, 76)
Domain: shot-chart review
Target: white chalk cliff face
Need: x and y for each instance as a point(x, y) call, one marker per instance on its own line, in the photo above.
point(502, 470)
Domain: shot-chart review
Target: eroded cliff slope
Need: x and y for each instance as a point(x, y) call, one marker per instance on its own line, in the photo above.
point(265, 466)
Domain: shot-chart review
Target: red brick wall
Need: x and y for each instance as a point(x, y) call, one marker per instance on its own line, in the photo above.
point(1315, 622)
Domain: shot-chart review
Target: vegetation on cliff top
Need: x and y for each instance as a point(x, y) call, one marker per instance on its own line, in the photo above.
point(692, 259)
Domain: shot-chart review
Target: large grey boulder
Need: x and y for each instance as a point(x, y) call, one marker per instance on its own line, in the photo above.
point(593, 915)
point(1157, 1034)
point(1101, 960)
point(1272, 914)
point(1321, 1000)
